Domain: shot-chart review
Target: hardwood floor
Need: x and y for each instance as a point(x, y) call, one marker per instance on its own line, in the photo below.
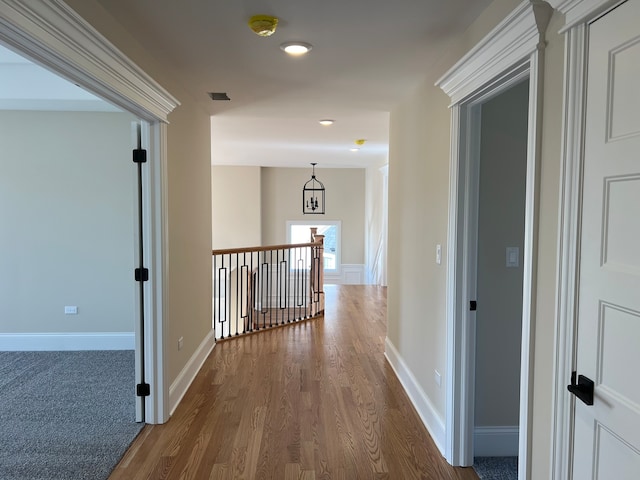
point(313, 400)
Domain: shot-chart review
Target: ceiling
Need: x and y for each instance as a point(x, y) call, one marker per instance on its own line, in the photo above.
point(367, 55)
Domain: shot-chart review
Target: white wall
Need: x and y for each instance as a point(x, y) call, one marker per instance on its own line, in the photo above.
point(67, 216)
point(235, 207)
point(503, 162)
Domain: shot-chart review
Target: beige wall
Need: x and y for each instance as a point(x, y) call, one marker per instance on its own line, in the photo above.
point(235, 207)
point(345, 197)
point(188, 198)
point(67, 214)
point(418, 189)
point(501, 211)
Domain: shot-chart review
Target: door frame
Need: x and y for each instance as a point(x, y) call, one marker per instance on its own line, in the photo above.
point(56, 37)
point(512, 51)
point(578, 15)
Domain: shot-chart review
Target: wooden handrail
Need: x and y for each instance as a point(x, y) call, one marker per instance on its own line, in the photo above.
point(252, 293)
point(263, 249)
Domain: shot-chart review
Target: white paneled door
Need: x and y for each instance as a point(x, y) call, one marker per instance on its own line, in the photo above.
point(607, 434)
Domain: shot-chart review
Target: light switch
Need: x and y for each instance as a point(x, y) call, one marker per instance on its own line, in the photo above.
point(513, 257)
point(438, 254)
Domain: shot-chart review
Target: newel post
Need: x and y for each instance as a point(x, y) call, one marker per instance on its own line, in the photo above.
point(317, 272)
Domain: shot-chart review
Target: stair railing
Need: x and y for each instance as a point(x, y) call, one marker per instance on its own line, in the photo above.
point(263, 287)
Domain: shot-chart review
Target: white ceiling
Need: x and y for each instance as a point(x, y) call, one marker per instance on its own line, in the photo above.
point(367, 55)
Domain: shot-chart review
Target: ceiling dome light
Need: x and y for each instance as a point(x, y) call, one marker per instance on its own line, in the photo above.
point(326, 122)
point(296, 48)
point(263, 25)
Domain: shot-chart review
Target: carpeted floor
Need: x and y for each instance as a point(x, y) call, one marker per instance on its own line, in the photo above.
point(496, 468)
point(65, 415)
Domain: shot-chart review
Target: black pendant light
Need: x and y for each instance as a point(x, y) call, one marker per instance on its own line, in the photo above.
point(313, 195)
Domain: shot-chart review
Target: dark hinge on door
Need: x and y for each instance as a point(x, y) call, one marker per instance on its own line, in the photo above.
point(139, 155)
point(143, 390)
point(141, 274)
point(473, 305)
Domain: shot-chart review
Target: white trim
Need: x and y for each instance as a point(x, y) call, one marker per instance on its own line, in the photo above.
point(53, 35)
point(17, 342)
point(184, 379)
point(578, 13)
point(570, 185)
point(510, 51)
point(350, 274)
point(581, 11)
point(496, 441)
point(518, 36)
point(427, 412)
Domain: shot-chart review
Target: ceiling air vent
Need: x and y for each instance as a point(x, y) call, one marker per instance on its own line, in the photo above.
point(215, 96)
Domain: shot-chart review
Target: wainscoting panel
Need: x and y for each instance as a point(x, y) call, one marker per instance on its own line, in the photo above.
point(350, 274)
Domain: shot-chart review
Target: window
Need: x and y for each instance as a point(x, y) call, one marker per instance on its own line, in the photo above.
point(299, 232)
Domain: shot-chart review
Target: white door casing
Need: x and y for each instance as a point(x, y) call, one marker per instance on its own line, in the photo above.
point(513, 48)
point(607, 435)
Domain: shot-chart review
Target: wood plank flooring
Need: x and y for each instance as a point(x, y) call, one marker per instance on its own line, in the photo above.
point(313, 400)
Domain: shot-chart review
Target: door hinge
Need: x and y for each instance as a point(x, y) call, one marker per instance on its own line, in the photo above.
point(139, 155)
point(143, 389)
point(473, 305)
point(141, 274)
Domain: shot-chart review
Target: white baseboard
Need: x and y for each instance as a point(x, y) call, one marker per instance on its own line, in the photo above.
point(181, 384)
point(495, 441)
point(23, 342)
point(350, 274)
point(429, 415)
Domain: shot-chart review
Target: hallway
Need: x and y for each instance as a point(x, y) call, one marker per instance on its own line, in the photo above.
point(314, 400)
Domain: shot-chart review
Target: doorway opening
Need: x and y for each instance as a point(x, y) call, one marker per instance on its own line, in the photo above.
point(499, 239)
point(68, 217)
point(510, 54)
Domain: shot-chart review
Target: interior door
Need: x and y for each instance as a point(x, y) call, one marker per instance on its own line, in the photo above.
point(607, 434)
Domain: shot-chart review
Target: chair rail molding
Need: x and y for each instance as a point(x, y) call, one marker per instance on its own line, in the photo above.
point(55, 36)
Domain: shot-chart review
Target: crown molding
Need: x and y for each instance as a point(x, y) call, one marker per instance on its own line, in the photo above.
point(55, 36)
point(580, 11)
point(511, 42)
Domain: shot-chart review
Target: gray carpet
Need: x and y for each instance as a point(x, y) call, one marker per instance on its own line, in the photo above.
point(65, 415)
point(496, 468)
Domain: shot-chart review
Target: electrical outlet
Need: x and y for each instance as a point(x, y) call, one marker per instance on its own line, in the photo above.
point(70, 310)
point(180, 343)
point(438, 377)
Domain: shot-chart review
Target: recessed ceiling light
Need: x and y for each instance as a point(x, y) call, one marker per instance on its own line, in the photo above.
point(296, 48)
point(354, 149)
point(326, 122)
